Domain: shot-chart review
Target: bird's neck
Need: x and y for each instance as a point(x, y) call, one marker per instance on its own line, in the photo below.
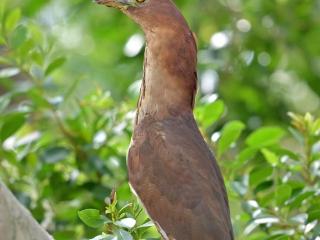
point(169, 81)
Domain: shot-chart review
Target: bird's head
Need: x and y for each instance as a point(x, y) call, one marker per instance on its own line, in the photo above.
point(150, 14)
point(122, 4)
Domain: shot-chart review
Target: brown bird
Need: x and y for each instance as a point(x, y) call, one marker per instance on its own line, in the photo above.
point(170, 166)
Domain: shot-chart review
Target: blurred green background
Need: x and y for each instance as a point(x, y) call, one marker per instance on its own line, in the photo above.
point(69, 78)
point(261, 57)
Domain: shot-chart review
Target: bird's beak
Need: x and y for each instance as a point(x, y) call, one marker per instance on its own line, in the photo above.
point(120, 4)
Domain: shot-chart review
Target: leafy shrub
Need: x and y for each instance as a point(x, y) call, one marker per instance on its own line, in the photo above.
point(277, 182)
point(126, 223)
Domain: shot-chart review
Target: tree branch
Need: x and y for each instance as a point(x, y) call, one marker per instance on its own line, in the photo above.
point(16, 222)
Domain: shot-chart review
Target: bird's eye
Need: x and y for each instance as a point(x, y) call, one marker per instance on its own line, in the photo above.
point(140, 1)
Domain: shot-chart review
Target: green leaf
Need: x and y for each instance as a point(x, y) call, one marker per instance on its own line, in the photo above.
point(11, 123)
point(244, 156)
point(210, 113)
point(257, 236)
point(230, 133)
point(266, 220)
point(296, 201)
point(146, 225)
point(313, 215)
point(9, 72)
point(123, 235)
point(259, 175)
point(283, 193)
point(126, 223)
point(2, 9)
point(2, 42)
point(5, 60)
point(271, 157)
point(239, 187)
point(104, 237)
point(54, 154)
point(18, 37)
point(296, 134)
point(55, 64)
point(280, 236)
point(265, 136)
point(263, 186)
point(4, 102)
point(91, 217)
point(37, 72)
point(12, 19)
point(38, 99)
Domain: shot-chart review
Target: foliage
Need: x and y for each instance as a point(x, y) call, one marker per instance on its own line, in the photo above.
point(265, 64)
point(64, 137)
point(277, 182)
point(123, 223)
point(57, 155)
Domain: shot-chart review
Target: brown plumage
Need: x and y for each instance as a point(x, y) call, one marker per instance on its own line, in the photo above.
point(170, 166)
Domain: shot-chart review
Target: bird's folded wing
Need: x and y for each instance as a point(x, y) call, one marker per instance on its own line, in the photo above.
point(178, 172)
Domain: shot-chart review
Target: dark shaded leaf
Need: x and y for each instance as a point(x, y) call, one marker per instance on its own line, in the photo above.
point(297, 200)
point(313, 215)
point(54, 154)
point(263, 186)
point(259, 174)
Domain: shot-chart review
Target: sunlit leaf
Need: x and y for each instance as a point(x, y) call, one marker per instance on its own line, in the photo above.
point(123, 235)
point(296, 134)
point(104, 237)
point(126, 223)
point(210, 113)
point(12, 19)
point(9, 72)
point(146, 225)
point(11, 123)
point(18, 36)
point(282, 193)
point(265, 136)
point(244, 156)
point(230, 133)
point(4, 60)
point(91, 217)
point(271, 157)
point(37, 72)
point(265, 220)
point(55, 64)
point(4, 102)
point(239, 187)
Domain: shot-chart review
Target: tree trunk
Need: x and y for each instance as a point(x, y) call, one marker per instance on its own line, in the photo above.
point(16, 222)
